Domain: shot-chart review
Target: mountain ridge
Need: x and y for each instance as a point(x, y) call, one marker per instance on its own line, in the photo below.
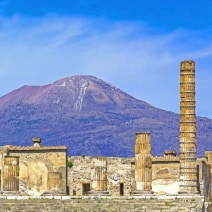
point(91, 117)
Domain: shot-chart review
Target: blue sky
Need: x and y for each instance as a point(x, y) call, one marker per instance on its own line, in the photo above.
point(136, 45)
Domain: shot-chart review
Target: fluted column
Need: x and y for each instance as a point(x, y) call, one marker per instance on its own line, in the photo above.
point(188, 167)
point(99, 176)
point(11, 173)
point(143, 164)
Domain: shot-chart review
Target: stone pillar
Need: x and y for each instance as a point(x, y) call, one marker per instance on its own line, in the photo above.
point(143, 164)
point(10, 174)
point(208, 156)
point(188, 166)
point(98, 176)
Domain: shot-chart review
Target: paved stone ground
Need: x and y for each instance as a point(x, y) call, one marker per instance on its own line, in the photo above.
point(100, 204)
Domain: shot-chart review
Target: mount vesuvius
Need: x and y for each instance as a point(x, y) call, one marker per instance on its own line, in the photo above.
point(91, 117)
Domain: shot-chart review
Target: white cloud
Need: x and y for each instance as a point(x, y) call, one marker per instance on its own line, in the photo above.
point(129, 55)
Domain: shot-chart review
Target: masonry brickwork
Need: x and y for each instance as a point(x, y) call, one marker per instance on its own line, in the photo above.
point(121, 175)
point(38, 167)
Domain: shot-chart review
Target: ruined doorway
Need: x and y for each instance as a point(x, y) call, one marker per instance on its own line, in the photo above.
point(121, 189)
point(85, 189)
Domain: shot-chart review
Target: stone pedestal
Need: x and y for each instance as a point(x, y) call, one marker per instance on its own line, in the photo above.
point(98, 193)
point(142, 193)
point(143, 165)
point(98, 177)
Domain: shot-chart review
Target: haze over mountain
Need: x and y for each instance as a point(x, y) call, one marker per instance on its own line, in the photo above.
point(91, 117)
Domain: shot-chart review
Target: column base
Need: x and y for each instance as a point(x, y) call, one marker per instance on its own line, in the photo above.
point(189, 193)
point(53, 193)
point(98, 193)
point(10, 193)
point(142, 193)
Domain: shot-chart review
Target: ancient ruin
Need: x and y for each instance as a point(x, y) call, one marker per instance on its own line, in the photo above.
point(188, 166)
point(169, 174)
point(143, 164)
point(41, 170)
point(98, 176)
point(33, 170)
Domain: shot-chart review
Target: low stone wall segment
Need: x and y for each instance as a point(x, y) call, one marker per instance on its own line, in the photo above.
point(103, 204)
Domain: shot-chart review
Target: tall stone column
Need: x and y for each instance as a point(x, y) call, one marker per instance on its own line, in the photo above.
point(98, 176)
point(10, 174)
point(188, 166)
point(143, 164)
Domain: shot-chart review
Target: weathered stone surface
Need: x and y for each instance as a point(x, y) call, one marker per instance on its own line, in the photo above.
point(34, 163)
point(143, 164)
point(165, 174)
point(11, 173)
point(118, 172)
point(188, 166)
point(98, 174)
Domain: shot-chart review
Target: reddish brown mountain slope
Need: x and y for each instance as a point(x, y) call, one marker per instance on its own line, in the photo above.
point(91, 117)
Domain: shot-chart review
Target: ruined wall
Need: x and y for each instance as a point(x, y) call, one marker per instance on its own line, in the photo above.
point(208, 156)
point(38, 168)
point(203, 170)
point(41, 170)
point(165, 175)
point(3, 153)
point(79, 174)
point(118, 175)
point(121, 172)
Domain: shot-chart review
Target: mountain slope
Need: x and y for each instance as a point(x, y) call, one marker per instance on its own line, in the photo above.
point(91, 117)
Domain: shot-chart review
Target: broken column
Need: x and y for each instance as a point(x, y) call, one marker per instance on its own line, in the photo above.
point(188, 166)
point(143, 164)
point(10, 175)
point(98, 176)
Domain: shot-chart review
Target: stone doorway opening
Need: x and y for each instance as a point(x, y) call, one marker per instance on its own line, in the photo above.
point(85, 189)
point(121, 189)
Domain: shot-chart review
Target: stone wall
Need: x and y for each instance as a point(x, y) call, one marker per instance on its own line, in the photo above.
point(165, 175)
point(39, 168)
point(118, 175)
point(208, 158)
point(121, 175)
point(43, 169)
point(79, 174)
point(3, 153)
point(121, 172)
